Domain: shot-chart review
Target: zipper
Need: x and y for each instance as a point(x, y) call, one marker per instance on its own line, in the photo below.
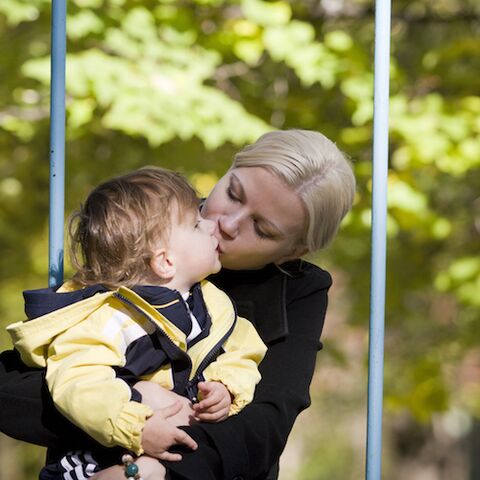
point(157, 327)
point(191, 387)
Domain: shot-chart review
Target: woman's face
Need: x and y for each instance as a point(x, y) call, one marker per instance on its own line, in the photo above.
point(260, 220)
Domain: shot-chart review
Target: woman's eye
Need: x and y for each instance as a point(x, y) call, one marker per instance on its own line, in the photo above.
point(260, 233)
point(231, 195)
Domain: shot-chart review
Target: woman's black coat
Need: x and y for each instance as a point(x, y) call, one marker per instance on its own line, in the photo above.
point(288, 309)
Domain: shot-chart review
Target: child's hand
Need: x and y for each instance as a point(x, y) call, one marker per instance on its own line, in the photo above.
point(215, 403)
point(159, 434)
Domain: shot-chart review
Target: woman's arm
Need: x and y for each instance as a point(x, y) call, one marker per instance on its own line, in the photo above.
point(28, 412)
point(247, 445)
point(84, 387)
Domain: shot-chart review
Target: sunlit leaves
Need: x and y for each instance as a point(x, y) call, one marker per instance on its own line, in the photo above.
point(462, 277)
point(436, 133)
point(80, 113)
point(360, 90)
point(92, 3)
point(17, 11)
point(294, 44)
point(139, 24)
point(145, 76)
point(267, 13)
point(83, 24)
point(339, 40)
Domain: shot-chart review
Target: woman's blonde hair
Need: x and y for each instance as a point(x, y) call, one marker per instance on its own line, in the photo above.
point(312, 166)
point(117, 229)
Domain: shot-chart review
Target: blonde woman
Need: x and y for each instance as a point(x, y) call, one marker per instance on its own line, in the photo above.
point(285, 195)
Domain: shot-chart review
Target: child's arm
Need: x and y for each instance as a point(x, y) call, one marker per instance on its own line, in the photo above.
point(85, 389)
point(90, 396)
point(237, 368)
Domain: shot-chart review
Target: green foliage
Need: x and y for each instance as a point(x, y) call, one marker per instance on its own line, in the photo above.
point(463, 278)
point(185, 84)
point(141, 64)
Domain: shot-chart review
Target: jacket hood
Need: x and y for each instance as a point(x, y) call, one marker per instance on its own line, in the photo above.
point(46, 300)
point(49, 313)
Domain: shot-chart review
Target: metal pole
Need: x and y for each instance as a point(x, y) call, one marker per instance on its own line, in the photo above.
point(57, 143)
point(379, 222)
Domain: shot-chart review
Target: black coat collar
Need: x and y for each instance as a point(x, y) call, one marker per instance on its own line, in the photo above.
point(260, 296)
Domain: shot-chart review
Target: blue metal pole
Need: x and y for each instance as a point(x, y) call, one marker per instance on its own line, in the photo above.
point(379, 223)
point(57, 143)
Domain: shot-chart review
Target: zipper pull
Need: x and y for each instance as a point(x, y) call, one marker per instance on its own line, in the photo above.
point(192, 392)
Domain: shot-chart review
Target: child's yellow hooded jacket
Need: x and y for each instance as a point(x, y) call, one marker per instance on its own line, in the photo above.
point(83, 343)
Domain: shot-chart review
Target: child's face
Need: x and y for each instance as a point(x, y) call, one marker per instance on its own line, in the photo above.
point(194, 248)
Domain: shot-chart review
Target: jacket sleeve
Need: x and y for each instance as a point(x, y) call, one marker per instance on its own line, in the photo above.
point(247, 445)
point(84, 388)
point(237, 367)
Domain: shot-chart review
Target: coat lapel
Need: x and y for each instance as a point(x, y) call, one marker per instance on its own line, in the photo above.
point(260, 296)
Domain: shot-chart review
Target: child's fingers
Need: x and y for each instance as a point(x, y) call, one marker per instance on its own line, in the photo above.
point(209, 402)
point(212, 408)
point(204, 388)
point(213, 417)
point(222, 406)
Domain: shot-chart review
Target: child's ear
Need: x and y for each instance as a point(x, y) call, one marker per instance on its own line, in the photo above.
point(162, 264)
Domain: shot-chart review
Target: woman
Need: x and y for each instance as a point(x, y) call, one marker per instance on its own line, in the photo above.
point(284, 196)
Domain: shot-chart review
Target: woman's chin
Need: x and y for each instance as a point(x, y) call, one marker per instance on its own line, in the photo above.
point(231, 263)
point(228, 263)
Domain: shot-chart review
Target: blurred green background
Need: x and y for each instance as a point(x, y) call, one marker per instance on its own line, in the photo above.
point(186, 83)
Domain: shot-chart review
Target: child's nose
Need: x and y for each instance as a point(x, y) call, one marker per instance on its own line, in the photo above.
point(211, 226)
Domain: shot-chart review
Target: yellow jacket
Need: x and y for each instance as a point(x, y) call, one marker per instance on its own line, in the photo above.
point(80, 343)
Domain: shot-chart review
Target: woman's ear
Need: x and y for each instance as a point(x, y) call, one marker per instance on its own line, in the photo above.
point(162, 264)
point(295, 253)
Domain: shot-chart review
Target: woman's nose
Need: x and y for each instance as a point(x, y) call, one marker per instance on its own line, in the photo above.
point(229, 225)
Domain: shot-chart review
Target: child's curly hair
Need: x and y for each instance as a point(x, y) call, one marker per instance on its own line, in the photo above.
point(116, 230)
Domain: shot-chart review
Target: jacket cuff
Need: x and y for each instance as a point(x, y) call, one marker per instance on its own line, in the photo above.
point(241, 399)
point(127, 431)
point(242, 394)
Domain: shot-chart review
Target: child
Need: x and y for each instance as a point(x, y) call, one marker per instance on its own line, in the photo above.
point(135, 310)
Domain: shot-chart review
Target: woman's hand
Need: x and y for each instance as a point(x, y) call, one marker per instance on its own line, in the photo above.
point(159, 434)
point(215, 403)
point(149, 468)
point(158, 397)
